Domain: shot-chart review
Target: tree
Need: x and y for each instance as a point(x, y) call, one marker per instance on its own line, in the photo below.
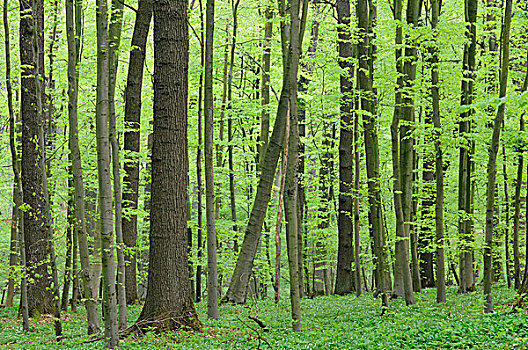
point(493, 150)
point(35, 233)
point(344, 279)
point(132, 144)
point(237, 291)
point(75, 156)
point(105, 186)
point(439, 163)
point(168, 304)
point(467, 280)
point(212, 270)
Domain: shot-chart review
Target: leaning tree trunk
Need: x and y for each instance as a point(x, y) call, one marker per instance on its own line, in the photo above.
point(168, 304)
point(238, 288)
point(493, 150)
point(105, 185)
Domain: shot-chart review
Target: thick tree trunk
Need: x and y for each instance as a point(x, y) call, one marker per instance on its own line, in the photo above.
point(169, 304)
point(132, 143)
point(492, 161)
point(39, 296)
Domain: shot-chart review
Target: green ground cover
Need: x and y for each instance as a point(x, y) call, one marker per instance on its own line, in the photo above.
point(328, 323)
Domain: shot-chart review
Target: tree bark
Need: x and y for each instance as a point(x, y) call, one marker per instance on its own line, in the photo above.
point(15, 165)
point(132, 143)
point(105, 185)
point(366, 14)
point(168, 304)
point(294, 50)
point(439, 166)
point(114, 39)
point(81, 234)
point(237, 291)
point(39, 296)
point(492, 161)
point(467, 279)
point(212, 269)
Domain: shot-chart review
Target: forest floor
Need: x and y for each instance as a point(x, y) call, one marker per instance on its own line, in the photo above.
point(332, 322)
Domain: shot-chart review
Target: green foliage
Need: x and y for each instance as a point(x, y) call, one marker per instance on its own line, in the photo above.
point(328, 323)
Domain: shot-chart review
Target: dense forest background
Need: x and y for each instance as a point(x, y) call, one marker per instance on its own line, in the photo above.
point(332, 147)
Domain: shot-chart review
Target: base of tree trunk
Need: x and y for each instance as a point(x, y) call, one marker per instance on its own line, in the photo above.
point(168, 321)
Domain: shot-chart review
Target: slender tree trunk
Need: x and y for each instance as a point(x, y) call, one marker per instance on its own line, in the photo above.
point(232, 198)
point(114, 39)
point(80, 233)
point(15, 165)
point(69, 246)
point(294, 50)
point(404, 157)
point(439, 166)
point(366, 14)
point(168, 304)
point(492, 161)
point(105, 185)
point(199, 215)
point(265, 84)
point(467, 280)
point(132, 143)
point(283, 171)
point(516, 216)
point(212, 269)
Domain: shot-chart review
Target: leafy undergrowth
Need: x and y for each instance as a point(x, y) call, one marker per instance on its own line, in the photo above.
point(328, 323)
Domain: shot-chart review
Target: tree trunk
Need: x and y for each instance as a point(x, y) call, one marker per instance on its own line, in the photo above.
point(169, 304)
point(403, 171)
point(265, 84)
point(212, 269)
point(80, 234)
point(366, 14)
point(199, 214)
point(492, 161)
point(439, 166)
point(132, 143)
point(232, 198)
point(467, 279)
point(294, 50)
point(15, 165)
point(114, 33)
point(105, 185)
point(39, 296)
